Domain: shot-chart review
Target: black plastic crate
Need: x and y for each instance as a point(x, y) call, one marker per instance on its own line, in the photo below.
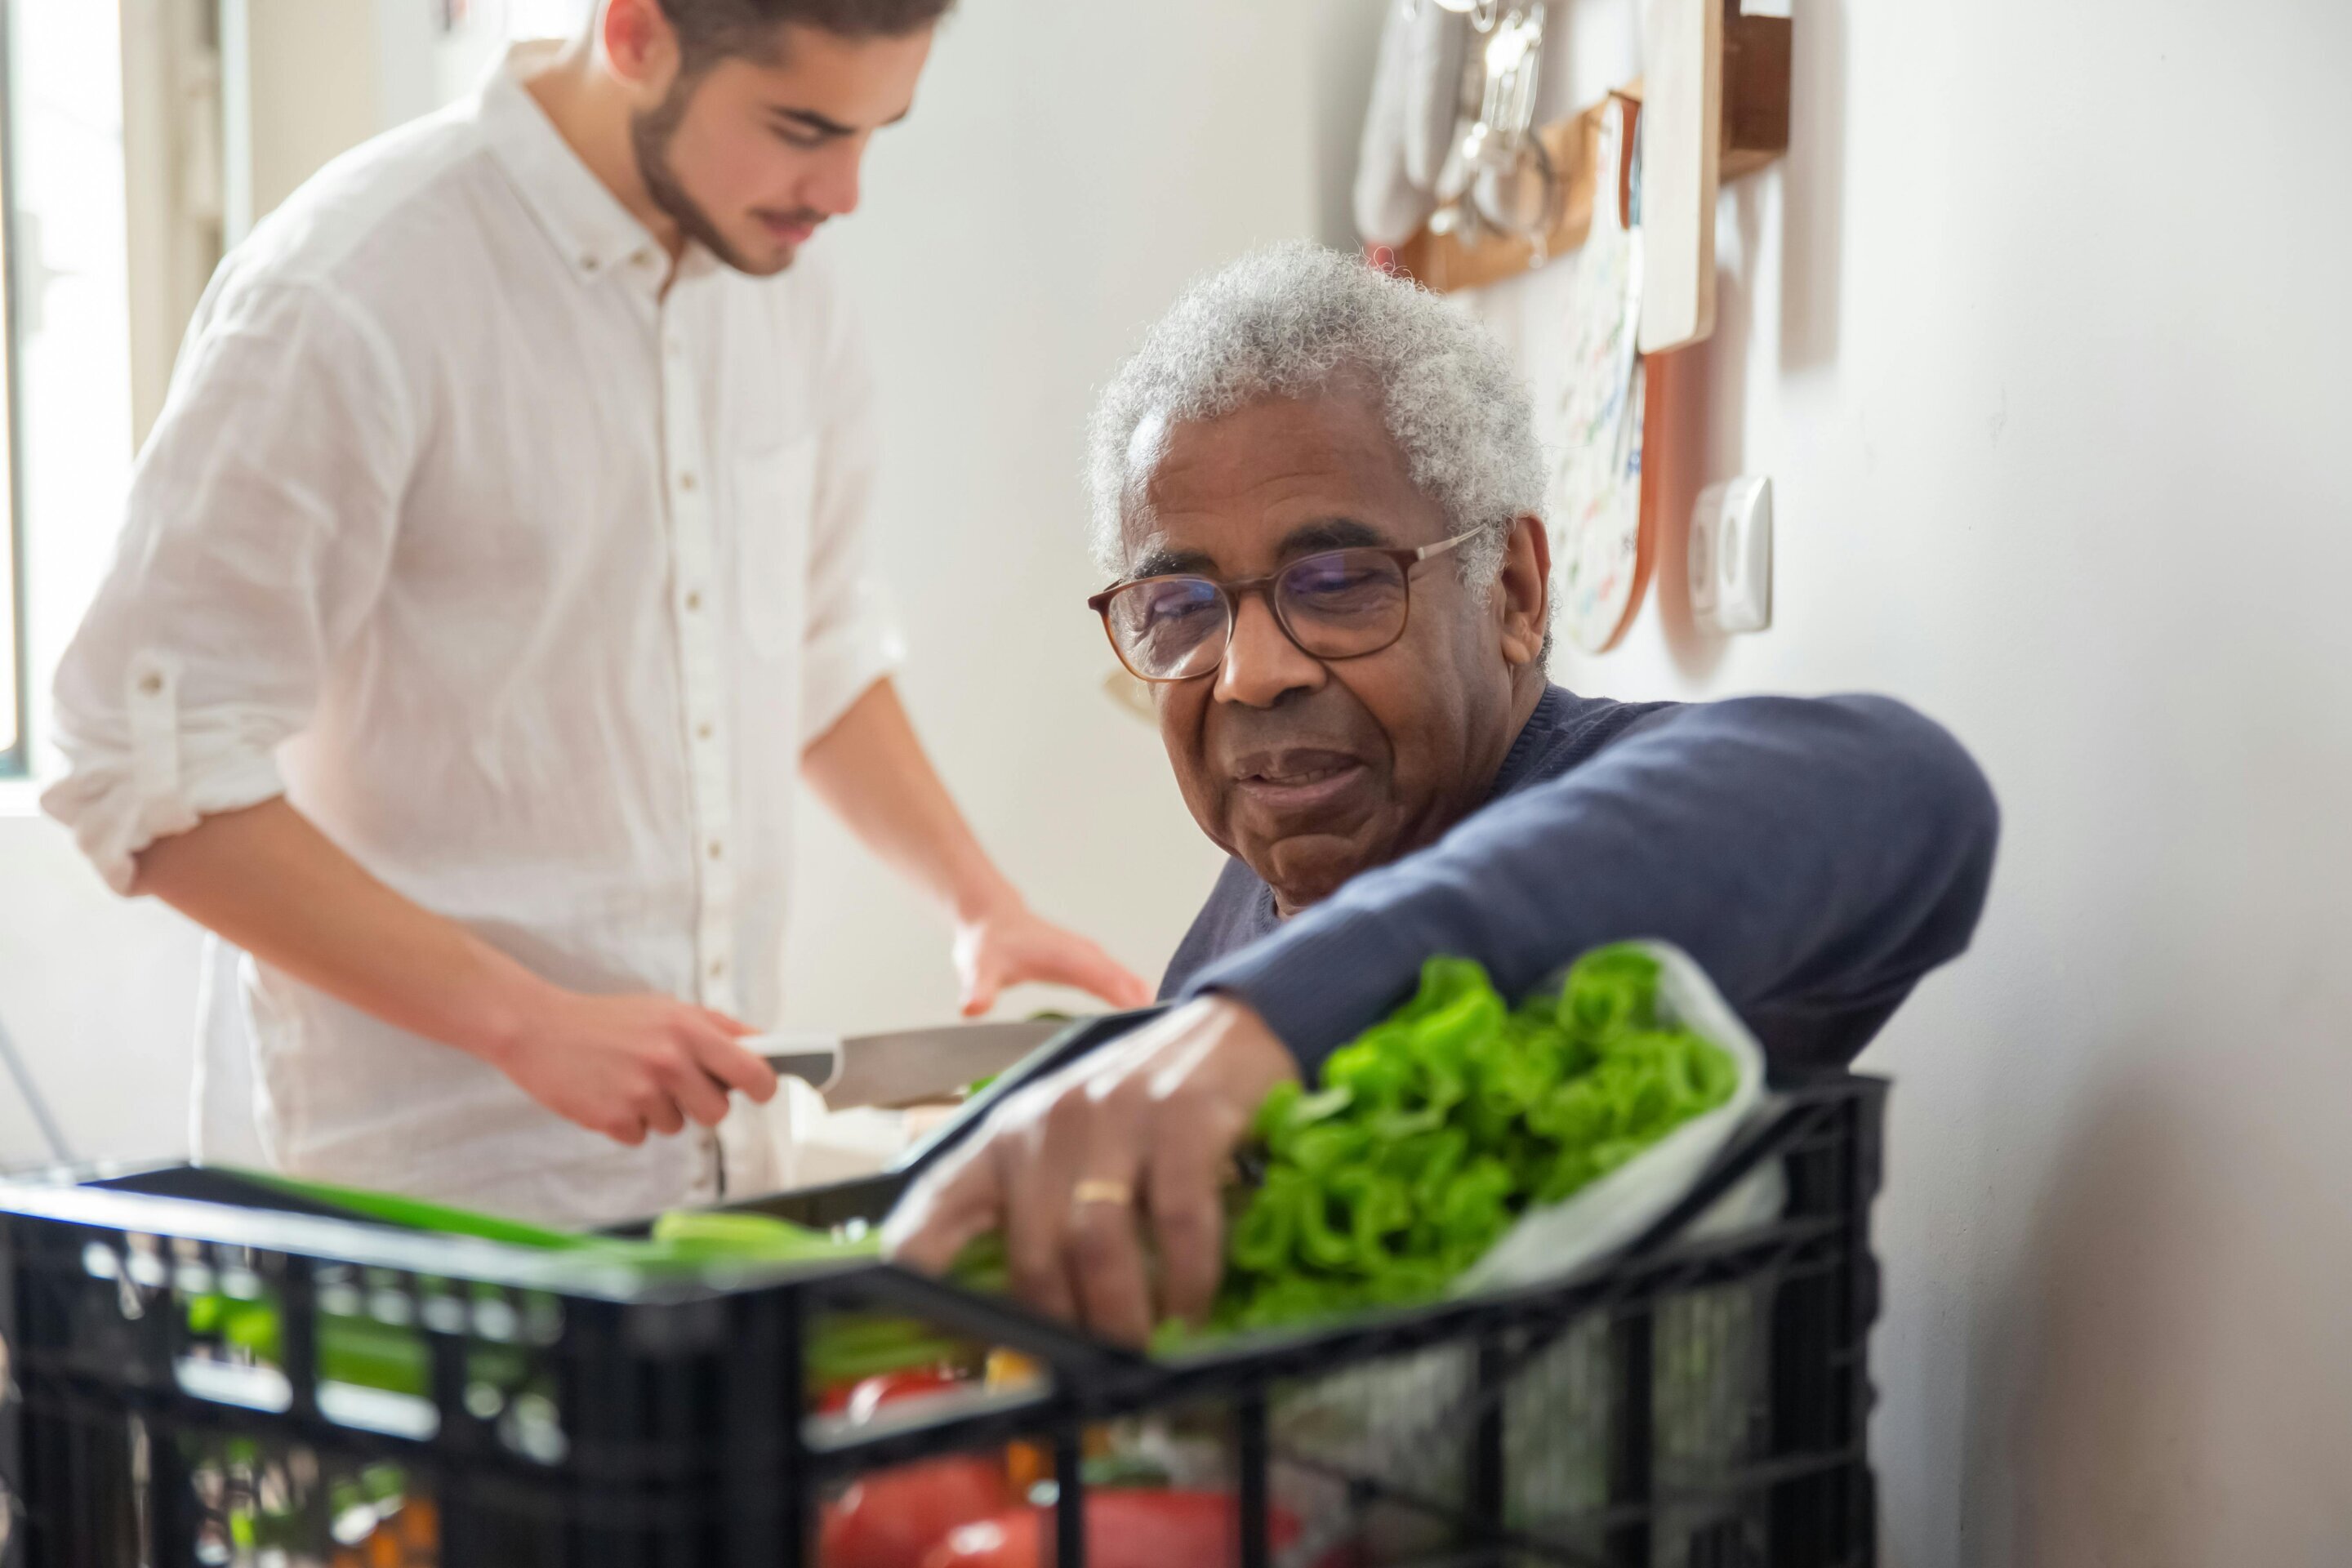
point(1699, 1401)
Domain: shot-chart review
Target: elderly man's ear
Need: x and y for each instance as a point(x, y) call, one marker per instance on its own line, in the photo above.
point(1522, 595)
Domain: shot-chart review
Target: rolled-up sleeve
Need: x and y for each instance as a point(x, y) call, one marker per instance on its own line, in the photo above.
point(852, 637)
point(258, 530)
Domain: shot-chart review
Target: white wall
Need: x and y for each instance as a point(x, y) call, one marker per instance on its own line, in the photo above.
point(99, 997)
point(1068, 166)
point(2041, 332)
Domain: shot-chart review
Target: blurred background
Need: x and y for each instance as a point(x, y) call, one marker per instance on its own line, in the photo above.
point(2040, 329)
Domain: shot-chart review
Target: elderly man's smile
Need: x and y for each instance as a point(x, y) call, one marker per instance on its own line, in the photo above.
point(1302, 780)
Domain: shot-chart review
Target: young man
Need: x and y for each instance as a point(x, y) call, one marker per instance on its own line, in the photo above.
point(1319, 492)
point(498, 563)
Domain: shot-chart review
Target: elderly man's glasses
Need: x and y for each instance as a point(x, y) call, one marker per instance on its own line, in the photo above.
point(1341, 603)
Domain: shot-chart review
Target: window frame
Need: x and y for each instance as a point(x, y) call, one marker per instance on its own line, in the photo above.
point(16, 761)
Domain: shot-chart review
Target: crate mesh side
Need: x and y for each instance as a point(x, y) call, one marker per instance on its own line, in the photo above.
point(1704, 1409)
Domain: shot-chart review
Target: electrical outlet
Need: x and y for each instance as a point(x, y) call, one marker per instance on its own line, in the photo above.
point(1729, 554)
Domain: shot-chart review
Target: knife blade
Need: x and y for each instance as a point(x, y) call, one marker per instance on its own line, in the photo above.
point(904, 1067)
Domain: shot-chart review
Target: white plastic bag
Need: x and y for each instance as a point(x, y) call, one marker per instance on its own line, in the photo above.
point(1409, 1420)
point(1554, 1241)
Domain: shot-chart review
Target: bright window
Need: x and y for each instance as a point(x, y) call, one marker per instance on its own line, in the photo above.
point(68, 442)
point(12, 617)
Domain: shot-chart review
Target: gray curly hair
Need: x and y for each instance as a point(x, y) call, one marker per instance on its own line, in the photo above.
point(1287, 321)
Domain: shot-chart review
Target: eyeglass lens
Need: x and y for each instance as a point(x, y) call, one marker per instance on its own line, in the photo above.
point(1340, 604)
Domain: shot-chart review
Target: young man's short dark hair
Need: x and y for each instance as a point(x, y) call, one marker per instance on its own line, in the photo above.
point(713, 30)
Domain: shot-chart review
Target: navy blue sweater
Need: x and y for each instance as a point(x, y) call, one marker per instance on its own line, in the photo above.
point(1815, 856)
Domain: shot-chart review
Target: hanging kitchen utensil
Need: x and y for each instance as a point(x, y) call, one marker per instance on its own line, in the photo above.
point(1600, 557)
point(1499, 177)
point(1513, 185)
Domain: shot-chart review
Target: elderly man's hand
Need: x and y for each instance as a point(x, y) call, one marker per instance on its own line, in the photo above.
point(1075, 1168)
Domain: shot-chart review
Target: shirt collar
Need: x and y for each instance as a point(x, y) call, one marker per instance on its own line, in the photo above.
point(596, 236)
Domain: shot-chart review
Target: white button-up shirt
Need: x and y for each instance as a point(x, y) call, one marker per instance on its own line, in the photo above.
point(523, 576)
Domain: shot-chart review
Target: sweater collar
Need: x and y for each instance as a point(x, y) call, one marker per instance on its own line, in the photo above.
point(1550, 714)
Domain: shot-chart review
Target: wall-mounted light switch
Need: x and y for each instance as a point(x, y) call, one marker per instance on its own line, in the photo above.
point(1730, 555)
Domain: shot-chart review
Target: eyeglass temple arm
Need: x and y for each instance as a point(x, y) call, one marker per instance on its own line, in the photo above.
point(1442, 545)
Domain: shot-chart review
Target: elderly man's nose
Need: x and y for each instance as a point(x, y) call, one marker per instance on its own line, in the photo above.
point(1261, 661)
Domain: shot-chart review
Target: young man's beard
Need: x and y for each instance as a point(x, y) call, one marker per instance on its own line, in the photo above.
point(650, 134)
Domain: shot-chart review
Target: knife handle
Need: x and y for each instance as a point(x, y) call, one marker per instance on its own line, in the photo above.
point(815, 1058)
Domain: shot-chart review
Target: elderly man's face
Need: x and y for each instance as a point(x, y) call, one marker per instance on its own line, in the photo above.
point(1309, 771)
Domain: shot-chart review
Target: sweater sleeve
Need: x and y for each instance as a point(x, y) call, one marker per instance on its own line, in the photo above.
point(1815, 856)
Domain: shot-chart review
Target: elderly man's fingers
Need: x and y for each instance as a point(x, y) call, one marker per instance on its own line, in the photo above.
point(944, 1212)
point(1038, 1180)
point(1107, 1273)
point(1103, 1245)
point(1184, 1192)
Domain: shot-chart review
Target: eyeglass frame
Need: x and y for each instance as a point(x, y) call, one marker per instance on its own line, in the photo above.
point(1232, 592)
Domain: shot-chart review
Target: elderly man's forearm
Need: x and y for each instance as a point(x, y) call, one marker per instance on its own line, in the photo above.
point(1815, 856)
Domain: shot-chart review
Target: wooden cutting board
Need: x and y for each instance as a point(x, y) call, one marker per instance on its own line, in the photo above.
point(1682, 150)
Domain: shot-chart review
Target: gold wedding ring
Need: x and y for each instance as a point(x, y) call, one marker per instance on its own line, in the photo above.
point(1102, 1190)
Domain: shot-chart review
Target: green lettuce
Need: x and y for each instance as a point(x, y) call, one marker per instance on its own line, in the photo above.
point(1434, 1130)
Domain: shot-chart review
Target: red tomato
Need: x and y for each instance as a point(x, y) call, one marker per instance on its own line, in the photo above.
point(893, 1518)
point(1126, 1527)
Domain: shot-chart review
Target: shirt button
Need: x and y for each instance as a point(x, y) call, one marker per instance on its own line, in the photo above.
point(718, 967)
point(694, 601)
point(643, 258)
point(151, 684)
point(587, 264)
point(686, 481)
point(702, 732)
point(717, 848)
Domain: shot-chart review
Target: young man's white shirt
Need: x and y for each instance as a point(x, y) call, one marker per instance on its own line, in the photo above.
point(524, 580)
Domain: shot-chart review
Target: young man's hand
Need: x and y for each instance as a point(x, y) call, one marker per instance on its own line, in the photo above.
point(1013, 945)
point(1075, 1167)
point(628, 1065)
point(871, 770)
point(269, 882)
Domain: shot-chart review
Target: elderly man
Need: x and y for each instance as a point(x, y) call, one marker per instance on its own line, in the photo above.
point(1321, 492)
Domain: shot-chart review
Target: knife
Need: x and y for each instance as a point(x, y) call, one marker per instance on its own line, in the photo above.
point(907, 1067)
